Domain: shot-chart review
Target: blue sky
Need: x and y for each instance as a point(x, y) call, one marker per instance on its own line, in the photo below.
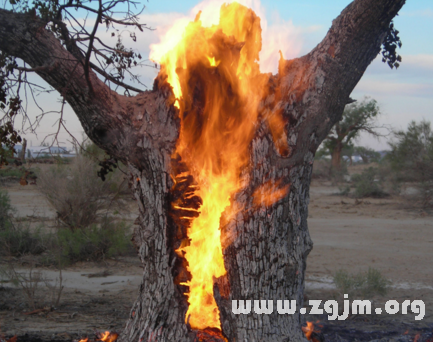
point(405, 94)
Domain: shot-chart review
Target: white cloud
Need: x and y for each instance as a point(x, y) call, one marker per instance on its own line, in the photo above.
point(392, 88)
point(423, 61)
point(420, 13)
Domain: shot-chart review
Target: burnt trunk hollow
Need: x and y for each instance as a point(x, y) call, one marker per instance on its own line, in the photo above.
point(264, 247)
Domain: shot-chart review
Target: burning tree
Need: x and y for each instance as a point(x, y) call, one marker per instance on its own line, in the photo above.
point(219, 154)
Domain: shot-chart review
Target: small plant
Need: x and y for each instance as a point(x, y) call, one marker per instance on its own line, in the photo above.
point(411, 159)
point(16, 240)
point(344, 191)
point(11, 172)
point(6, 210)
point(368, 184)
point(29, 282)
point(95, 242)
point(363, 284)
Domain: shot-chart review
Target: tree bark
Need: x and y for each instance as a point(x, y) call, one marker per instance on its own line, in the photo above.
point(336, 156)
point(264, 247)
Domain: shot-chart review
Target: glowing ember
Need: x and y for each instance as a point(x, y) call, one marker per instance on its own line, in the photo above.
point(270, 193)
point(218, 86)
point(308, 330)
point(103, 337)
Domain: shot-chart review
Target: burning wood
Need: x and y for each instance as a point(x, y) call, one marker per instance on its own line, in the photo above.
point(311, 333)
point(102, 337)
point(218, 87)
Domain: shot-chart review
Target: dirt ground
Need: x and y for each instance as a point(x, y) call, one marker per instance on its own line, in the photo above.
point(348, 234)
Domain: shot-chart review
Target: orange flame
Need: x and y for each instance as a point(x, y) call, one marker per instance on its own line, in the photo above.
point(308, 330)
point(104, 337)
point(108, 337)
point(218, 86)
point(269, 193)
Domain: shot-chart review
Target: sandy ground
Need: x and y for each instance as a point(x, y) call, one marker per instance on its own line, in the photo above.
point(347, 234)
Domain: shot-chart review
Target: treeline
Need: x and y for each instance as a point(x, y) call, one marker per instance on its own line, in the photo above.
point(406, 168)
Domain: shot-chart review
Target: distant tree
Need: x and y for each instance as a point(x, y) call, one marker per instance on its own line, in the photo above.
point(356, 118)
point(411, 158)
point(367, 154)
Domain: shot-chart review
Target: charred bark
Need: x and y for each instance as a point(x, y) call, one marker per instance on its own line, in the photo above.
point(265, 247)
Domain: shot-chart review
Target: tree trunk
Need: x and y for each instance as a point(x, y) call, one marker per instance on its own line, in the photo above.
point(264, 247)
point(336, 156)
point(22, 155)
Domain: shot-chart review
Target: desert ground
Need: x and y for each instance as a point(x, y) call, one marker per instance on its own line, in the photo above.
point(387, 234)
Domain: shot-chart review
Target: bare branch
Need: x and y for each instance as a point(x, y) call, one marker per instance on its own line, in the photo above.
point(112, 79)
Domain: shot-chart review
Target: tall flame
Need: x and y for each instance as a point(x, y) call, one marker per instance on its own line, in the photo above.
point(216, 80)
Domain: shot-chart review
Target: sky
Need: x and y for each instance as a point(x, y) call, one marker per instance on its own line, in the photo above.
point(296, 27)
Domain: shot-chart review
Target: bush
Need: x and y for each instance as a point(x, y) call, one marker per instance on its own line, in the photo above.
point(11, 172)
point(77, 194)
point(411, 158)
point(362, 284)
point(321, 169)
point(368, 184)
point(17, 241)
point(338, 175)
point(6, 210)
point(95, 242)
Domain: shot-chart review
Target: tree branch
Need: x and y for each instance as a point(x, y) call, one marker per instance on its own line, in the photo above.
point(89, 50)
point(112, 79)
point(327, 75)
point(26, 37)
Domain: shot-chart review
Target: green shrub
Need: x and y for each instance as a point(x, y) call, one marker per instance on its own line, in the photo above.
point(95, 242)
point(363, 284)
point(411, 159)
point(17, 241)
point(11, 172)
point(344, 190)
point(6, 210)
point(368, 184)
